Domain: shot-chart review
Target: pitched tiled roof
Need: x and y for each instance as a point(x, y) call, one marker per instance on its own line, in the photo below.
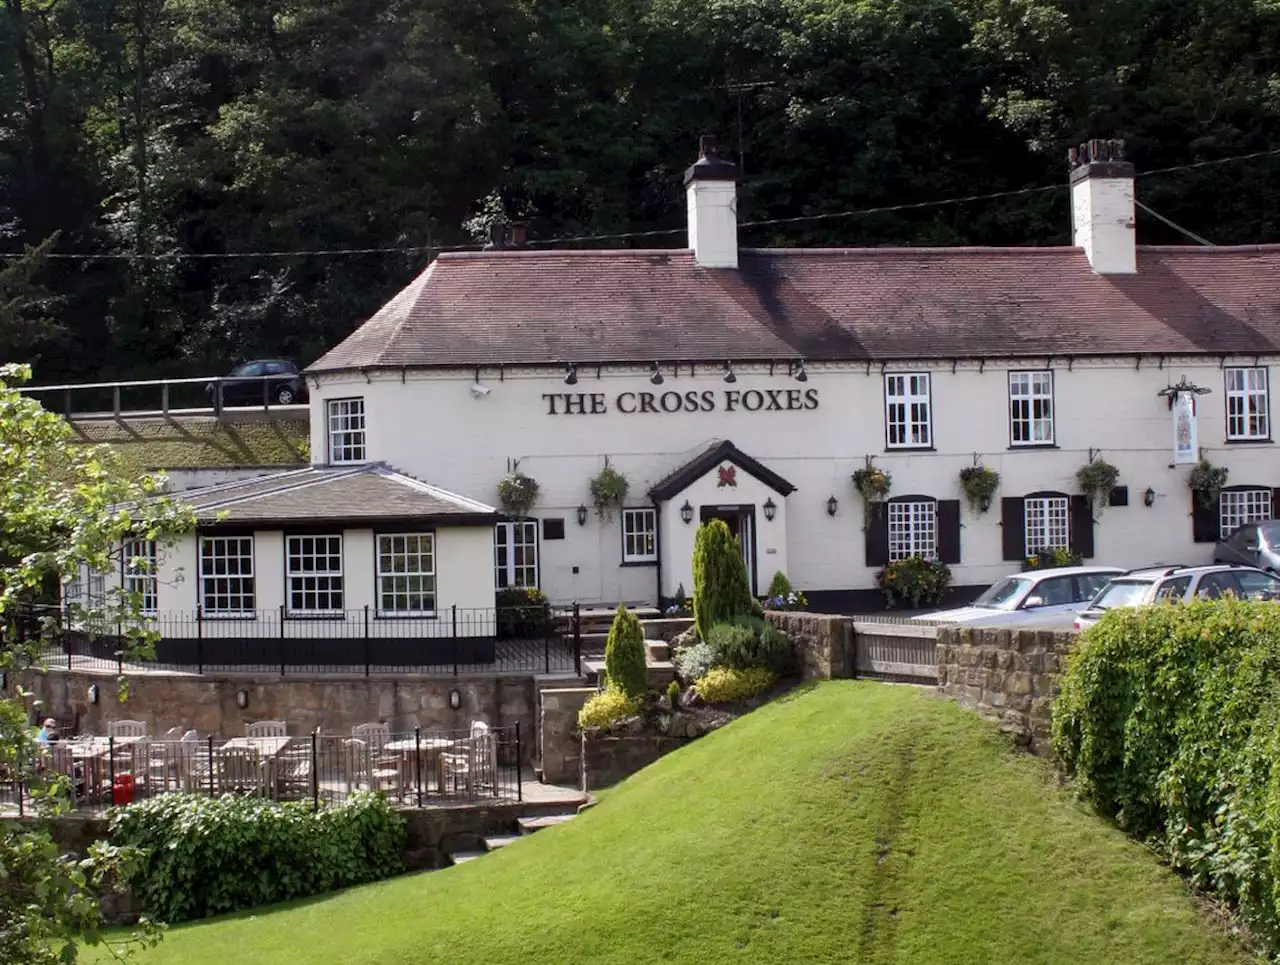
point(531, 307)
point(701, 464)
point(350, 495)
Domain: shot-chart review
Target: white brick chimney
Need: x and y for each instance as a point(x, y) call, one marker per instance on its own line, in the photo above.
point(711, 188)
point(1102, 211)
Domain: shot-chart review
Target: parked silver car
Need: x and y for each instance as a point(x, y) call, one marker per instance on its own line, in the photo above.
point(1174, 584)
point(1253, 544)
point(1035, 598)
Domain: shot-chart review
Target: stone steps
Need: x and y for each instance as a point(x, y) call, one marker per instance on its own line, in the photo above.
point(661, 672)
point(524, 827)
point(666, 628)
point(462, 857)
point(530, 825)
point(496, 841)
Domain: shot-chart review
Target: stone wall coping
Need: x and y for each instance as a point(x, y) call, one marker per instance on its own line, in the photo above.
point(269, 679)
point(923, 631)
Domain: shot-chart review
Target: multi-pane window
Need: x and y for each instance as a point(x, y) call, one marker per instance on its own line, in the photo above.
point(139, 566)
point(315, 573)
point(346, 430)
point(87, 589)
point(515, 553)
point(1031, 408)
point(639, 535)
point(407, 574)
point(913, 530)
point(1248, 412)
point(226, 575)
point(1239, 506)
point(907, 412)
point(1047, 524)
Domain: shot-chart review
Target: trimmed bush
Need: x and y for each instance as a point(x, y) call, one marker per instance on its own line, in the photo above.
point(1170, 717)
point(749, 642)
point(624, 663)
point(607, 708)
point(522, 612)
point(724, 685)
point(720, 588)
point(208, 855)
point(673, 694)
point(779, 585)
point(693, 662)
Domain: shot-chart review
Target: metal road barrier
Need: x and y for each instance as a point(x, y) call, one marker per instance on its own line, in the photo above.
point(140, 398)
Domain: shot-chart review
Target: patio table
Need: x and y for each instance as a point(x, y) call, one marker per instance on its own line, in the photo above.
point(268, 749)
point(405, 748)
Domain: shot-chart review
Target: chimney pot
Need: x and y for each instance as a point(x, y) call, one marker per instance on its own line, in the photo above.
point(497, 236)
point(707, 147)
point(711, 191)
point(518, 234)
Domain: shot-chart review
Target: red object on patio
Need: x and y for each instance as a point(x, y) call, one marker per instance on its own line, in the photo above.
point(122, 789)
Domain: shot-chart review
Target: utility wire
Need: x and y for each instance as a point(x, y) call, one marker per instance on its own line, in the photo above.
point(1176, 227)
point(622, 236)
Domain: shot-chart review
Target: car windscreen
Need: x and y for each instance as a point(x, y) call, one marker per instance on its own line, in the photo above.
point(1270, 533)
point(1121, 593)
point(1003, 595)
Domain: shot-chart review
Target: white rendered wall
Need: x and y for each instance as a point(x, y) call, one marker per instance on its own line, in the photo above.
point(713, 223)
point(1103, 220)
point(432, 427)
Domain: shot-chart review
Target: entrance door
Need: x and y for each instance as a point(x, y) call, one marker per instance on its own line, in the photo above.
point(741, 522)
point(515, 554)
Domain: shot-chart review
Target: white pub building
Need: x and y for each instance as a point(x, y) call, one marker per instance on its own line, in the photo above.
point(750, 384)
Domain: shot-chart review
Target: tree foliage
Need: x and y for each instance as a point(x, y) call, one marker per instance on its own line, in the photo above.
point(624, 663)
point(721, 592)
point(154, 127)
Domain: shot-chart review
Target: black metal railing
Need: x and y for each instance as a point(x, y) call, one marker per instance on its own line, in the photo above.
point(414, 769)
point(456, 640)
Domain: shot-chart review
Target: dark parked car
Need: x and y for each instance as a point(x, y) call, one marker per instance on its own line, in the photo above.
point(1253, 544)
point(244, 386)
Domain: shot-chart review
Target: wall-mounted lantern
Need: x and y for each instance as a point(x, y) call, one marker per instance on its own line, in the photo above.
point(570, 374)
point(686, 512)
point(455, 698)
point(1149, 497)
point(582, 515)
point(93, 693)
point(656, 378)
point(242, 699)
point(801, 375)
point(728, 373)
point(832, 505)
point(770, 510)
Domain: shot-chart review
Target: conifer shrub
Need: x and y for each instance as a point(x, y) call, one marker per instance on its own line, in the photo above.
point(624, 663)
point(721, 591)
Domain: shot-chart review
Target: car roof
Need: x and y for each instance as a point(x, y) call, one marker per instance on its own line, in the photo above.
point(1153, 573)
point(1038, 575)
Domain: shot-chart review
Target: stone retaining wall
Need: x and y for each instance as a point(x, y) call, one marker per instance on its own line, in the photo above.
point(559, 742)
point(607, 760)
point(333, 703)
point(1009, 676)
point(824, 644)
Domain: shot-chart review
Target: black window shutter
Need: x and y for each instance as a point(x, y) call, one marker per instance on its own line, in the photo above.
point(1013, 525)
point(1204, 520)
point(948, 522)
point(1082, 526)
point(1275, 504)
point(877, 535)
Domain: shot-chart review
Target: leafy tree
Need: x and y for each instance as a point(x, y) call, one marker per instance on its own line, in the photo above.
point(62, 507)
point(720, 588)
point(25, 326)
point(624, 663)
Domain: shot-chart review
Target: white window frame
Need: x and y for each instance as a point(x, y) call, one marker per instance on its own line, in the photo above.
point(1248, 393)
point(640, 535)
point(1050, 516)
point(1236, 507)
point(243, 554)
point(140, 580)
point(411, 556)
point(1029, 390)
point(346, 431)
point(908, 410)
point(314, 571)
point(913, 529)
point(522, 535)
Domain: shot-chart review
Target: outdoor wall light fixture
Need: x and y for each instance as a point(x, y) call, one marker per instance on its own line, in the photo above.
point(1149, 497)
point(656, 378)
point(242, 699)
point(728, 373)
point(582, 515)
point(984, 503)
point(686, 512)
point(770, 510)
point(832, 505)
point(455, 698)
point(93, 693)
point(570, 374)
point(801, 375)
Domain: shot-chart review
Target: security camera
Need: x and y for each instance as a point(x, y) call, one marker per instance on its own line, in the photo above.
point(480, 391)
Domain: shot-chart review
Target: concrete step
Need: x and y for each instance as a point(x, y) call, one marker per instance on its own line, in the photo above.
point(497, 841)
point(666, 628)
point(462, 857)
point(661, 673)
point(657, 651)
point(530, 825)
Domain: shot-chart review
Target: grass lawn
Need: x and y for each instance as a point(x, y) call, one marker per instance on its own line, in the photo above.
point(853, 822)
point(188, 441)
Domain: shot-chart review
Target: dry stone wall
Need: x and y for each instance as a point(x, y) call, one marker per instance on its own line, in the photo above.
point(606, 760)
point(559, 743)
point(824, 644)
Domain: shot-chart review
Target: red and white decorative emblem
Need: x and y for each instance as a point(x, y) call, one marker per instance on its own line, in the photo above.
point(728, 476)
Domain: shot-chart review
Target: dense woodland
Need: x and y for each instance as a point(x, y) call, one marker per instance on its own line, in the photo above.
point(141, 129)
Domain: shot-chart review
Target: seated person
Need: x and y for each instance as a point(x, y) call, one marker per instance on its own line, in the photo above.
point(47, 734)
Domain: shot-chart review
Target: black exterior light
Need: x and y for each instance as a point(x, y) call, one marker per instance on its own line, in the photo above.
point(770, 510)
point(570, 374)
point(656, 378)
point(582, 515)
point(801, 375)
point(455, 698)
point(832, 505)
point(1149, 497)
point(686, 512)
point(728, 373)
point(242, 699)
point(984, 503)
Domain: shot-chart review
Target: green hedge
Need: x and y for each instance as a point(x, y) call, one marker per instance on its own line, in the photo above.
point(1170, 717)
point(748, 642)
point(205, 856)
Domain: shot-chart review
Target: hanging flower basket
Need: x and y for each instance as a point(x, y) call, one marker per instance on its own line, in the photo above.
point(872, 484)
point(1206, 481)
point(979, 484)
point(1096, 479)
point(608, 491)
point(517, 492)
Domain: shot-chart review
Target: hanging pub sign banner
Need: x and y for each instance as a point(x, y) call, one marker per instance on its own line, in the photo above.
point(1186, 452)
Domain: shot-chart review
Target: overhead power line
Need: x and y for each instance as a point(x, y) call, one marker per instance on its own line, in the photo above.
point(1187, 232)
point(626, 235)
